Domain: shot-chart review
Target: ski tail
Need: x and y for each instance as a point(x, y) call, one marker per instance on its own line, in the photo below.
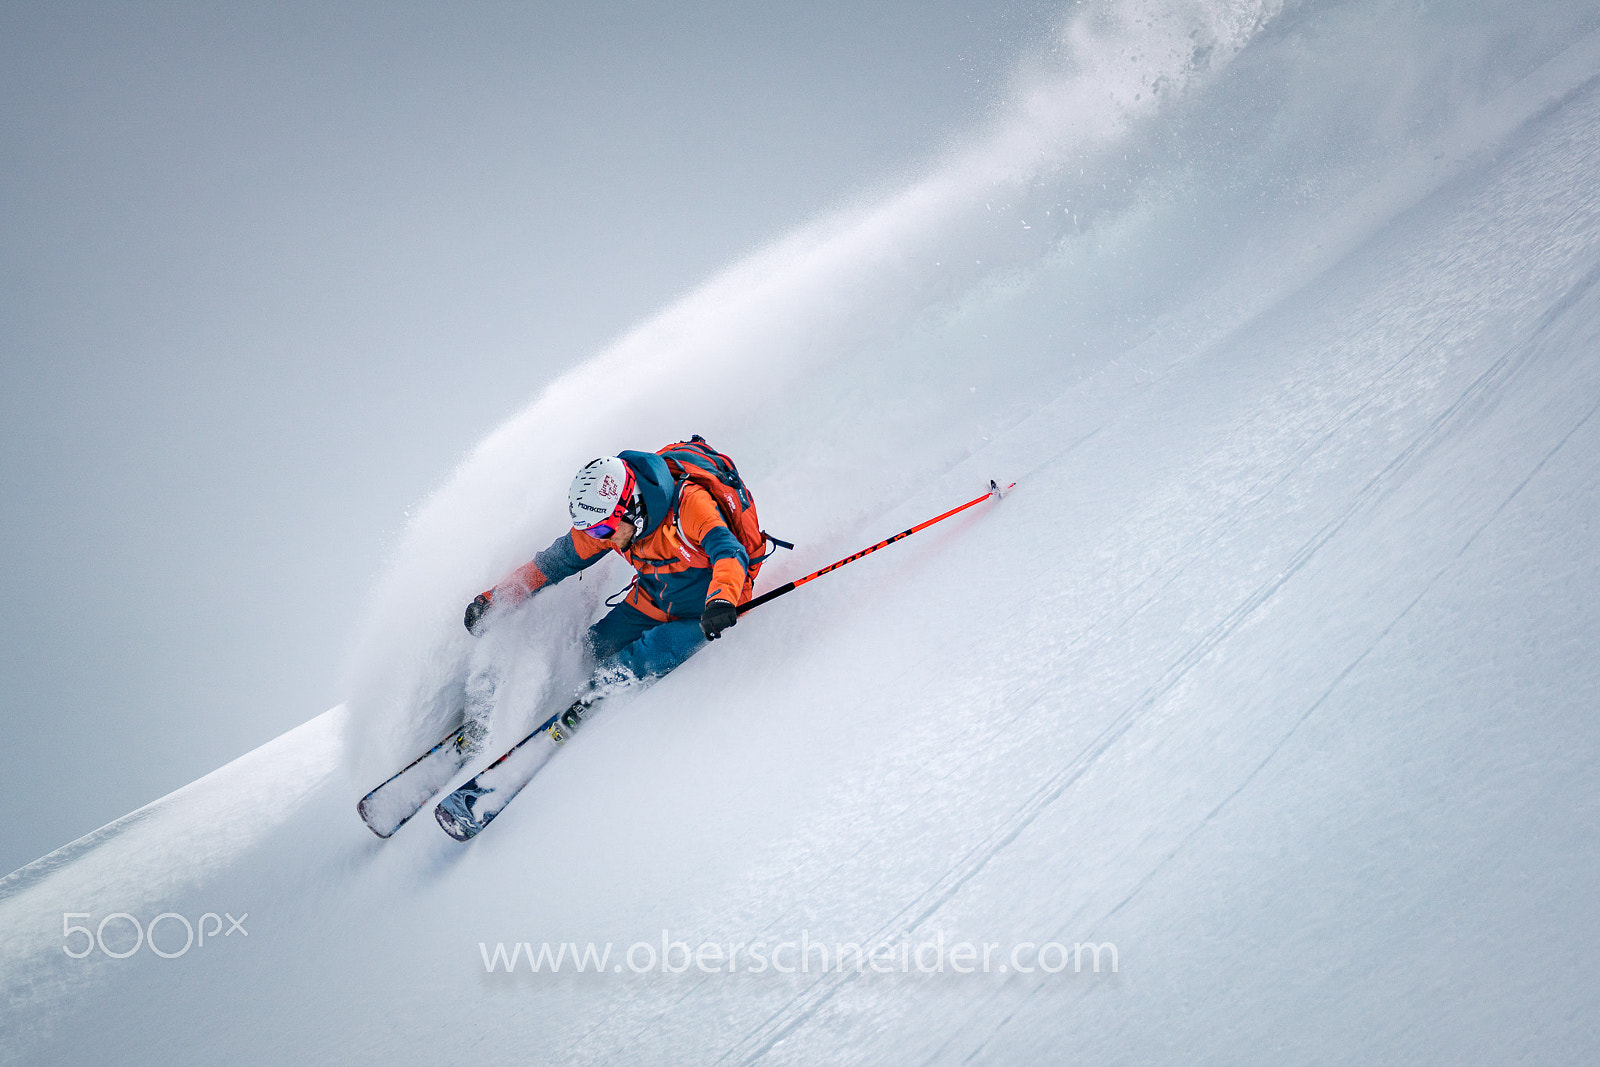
point(392, 804)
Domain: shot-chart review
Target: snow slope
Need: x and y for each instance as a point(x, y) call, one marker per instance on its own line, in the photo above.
point(1276, 672)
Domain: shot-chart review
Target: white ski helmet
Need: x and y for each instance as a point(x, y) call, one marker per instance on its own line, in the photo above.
point(602, 495)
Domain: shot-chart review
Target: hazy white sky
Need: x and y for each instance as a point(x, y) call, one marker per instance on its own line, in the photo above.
point(270, 271)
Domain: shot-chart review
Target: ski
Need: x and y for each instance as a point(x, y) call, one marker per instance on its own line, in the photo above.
point(390, 805)
point(469, 809)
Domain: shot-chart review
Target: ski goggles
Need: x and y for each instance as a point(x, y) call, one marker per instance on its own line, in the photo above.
point(603, 530)
point(624, 512)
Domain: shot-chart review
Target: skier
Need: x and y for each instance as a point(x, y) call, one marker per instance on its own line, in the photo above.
point(685, 521)
point(692, 571)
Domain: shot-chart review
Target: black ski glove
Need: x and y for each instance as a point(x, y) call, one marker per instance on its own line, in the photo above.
point(475, 610)
point(718, 616)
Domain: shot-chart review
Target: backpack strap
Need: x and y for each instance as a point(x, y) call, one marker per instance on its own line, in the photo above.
point(776, 544)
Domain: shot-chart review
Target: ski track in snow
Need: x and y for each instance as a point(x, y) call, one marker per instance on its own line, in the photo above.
point(1322, 698)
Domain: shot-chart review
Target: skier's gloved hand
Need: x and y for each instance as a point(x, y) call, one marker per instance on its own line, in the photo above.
point(718, 616)
point(475, 610)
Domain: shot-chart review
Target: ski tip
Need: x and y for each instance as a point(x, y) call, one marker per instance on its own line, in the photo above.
point(366, 818)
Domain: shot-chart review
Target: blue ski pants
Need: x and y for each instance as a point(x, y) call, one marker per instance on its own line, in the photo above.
point(629, 639)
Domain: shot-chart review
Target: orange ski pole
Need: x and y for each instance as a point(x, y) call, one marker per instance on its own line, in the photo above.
point(773, 594)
